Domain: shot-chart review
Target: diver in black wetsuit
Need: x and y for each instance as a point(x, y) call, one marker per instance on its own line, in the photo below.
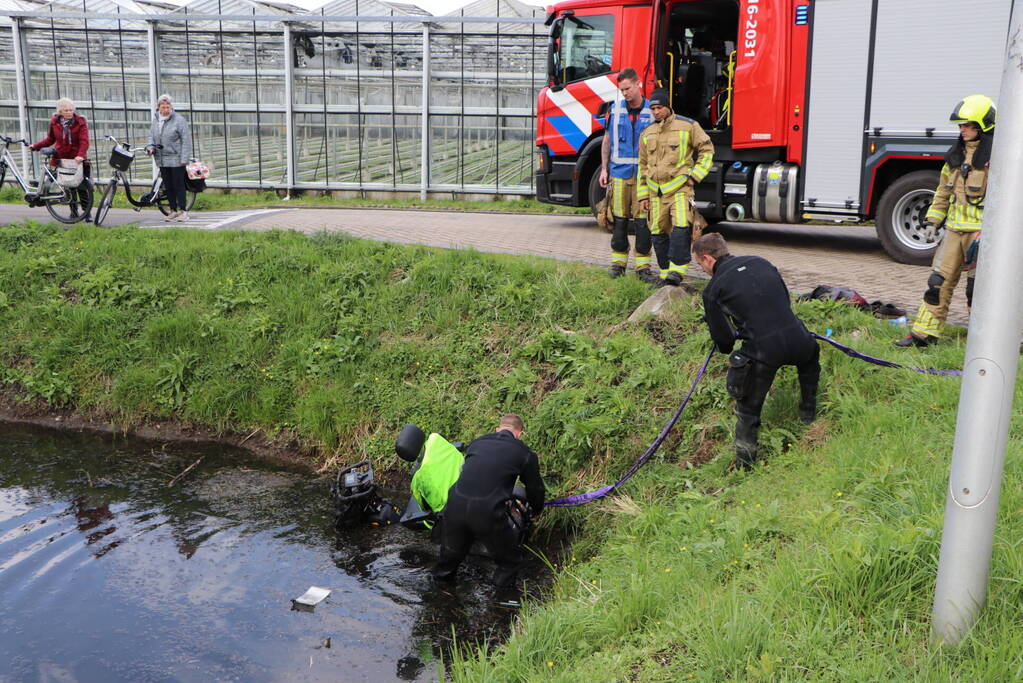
point(478, 506)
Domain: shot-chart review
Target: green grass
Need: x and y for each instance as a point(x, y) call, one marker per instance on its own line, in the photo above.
point(336, 341)
point(215, 201)
point(818, 566)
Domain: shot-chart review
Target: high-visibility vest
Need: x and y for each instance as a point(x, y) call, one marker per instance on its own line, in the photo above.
point(625, 137)
point(441, 466)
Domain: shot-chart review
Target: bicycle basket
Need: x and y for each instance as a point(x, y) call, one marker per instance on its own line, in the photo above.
point(121, 158)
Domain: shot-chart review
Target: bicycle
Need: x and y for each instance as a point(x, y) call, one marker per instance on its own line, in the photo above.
point(121, 158)
point(66, 204)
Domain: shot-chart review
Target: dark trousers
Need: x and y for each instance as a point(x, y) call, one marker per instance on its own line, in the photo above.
point(463, 525)
point(675, 248)
point(681, 245)
point(174, 186)
point(620, 236)
point(749, 381)
point(81, 192)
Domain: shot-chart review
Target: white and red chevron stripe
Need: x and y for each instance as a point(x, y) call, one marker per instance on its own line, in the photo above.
point(566, 117)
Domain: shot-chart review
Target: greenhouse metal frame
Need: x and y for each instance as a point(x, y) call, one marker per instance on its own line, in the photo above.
point(283, 99)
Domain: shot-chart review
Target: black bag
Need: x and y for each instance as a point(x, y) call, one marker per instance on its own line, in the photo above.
point(195, 185)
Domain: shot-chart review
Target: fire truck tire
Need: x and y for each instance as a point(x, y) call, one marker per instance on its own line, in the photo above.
point(596, 192)
point(900, 218)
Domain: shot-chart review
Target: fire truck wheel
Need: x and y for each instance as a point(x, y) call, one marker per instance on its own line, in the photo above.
point(900, 218)
point(596, 192)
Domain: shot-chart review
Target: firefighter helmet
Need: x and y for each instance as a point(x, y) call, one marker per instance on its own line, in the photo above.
point(976, 108)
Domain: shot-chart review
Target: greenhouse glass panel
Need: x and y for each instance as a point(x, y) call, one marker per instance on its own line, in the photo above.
point(8, 82)
point(9, 125)
point(311, 148)
point(344, 138)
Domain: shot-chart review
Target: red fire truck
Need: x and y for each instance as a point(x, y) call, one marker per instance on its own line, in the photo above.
point(818, 109)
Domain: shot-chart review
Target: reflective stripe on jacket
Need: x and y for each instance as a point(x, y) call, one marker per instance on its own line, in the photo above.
point(671, 152)
point(625, 135)
point(958, 200)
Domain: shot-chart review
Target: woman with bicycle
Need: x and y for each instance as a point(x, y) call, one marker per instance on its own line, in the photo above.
point(69, 136)
point(170, 140)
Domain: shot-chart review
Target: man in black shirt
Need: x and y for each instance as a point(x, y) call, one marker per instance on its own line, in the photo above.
point(747, 299)
point(478, 503)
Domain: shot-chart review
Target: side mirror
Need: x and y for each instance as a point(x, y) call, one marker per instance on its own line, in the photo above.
point(603, 109)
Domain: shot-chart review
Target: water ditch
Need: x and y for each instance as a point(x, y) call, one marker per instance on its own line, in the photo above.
point(108, 573)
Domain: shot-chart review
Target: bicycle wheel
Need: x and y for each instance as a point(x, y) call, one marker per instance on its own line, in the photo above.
point(74, 205)
point(164, 205)
point(106, 201)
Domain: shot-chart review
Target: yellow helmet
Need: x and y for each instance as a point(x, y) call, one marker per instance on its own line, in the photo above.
point(976, 108)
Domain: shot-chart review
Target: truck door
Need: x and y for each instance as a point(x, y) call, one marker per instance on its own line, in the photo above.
point(835, 113)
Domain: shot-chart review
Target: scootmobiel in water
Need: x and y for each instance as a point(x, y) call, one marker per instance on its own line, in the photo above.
point(465, 496)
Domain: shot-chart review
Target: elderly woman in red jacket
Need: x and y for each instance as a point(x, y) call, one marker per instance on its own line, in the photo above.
point(68, 135)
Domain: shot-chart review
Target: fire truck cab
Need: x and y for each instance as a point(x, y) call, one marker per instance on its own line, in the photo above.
point(834, 110)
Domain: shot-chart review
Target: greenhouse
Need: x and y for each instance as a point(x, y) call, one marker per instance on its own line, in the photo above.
point(356, 95)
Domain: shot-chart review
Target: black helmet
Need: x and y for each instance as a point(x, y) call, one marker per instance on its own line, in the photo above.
point(659, 98)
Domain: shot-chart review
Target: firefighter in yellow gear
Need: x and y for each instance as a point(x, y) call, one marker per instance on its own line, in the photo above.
point(675, 153)
point(959, 204)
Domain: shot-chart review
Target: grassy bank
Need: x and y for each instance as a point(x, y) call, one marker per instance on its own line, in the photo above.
point(331, 341)
point(215, 201)
point(818, 566)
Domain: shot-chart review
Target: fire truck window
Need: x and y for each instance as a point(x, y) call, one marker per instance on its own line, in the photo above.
point(583, 48)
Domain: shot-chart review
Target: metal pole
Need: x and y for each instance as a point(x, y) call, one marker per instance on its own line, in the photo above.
point(424, 164)
point(154, 62)
point(989, 373)
point(154, 78)
point(21, 78)
point(289, 107)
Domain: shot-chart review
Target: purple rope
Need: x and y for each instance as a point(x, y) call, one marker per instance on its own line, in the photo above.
point(583, 498)
point(853, 353)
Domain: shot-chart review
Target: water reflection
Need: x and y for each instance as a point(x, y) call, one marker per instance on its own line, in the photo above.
point(110, 574)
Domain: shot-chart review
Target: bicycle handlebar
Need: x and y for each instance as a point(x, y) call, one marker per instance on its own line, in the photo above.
point(128, 148)
point(12, 141)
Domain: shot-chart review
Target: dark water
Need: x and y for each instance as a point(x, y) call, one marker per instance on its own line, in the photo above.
point(108, 574)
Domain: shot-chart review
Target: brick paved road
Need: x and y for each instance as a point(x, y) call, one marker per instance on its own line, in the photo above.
point(806, 255)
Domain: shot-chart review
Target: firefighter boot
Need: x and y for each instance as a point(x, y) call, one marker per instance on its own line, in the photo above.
point(808, 410)
point(674, 279)
point(661, 246)
point(647, 276)
point(745, 456)
point(913, 340)
point(619, 247)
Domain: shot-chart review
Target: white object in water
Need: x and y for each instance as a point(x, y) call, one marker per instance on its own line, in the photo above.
point(311, 598)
